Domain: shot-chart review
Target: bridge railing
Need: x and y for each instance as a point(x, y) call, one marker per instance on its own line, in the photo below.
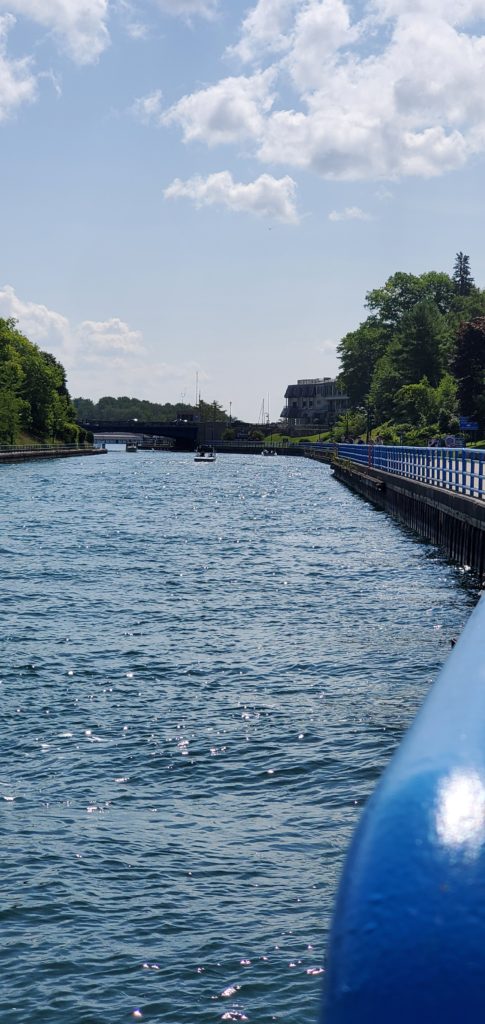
point(457, 469)
point(408, 936)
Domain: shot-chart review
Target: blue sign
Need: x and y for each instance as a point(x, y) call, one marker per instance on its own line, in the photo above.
point(466, 424)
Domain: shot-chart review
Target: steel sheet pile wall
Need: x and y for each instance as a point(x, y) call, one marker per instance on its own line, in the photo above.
point(453, 521)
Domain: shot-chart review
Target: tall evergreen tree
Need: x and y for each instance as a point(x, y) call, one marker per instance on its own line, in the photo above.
point(420, 340)
point(469, 367)
point(462, 277)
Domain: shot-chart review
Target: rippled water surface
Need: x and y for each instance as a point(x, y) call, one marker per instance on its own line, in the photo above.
point(204, 669)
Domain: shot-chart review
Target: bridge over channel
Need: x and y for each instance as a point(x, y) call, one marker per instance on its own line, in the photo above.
point(184, 434)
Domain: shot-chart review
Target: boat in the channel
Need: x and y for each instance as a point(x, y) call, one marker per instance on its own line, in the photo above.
point(202, 455)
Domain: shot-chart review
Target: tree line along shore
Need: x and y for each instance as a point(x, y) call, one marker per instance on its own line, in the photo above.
point(412, 370)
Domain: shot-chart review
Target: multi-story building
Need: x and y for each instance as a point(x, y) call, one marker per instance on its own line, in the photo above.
point(317, 400)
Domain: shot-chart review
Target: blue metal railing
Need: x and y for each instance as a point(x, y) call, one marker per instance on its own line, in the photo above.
point(457, 469)
point(408, 937)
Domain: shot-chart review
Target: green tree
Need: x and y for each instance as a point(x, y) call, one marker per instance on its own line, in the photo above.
point(126, 408)
point(85, 408)
point(417, 403)
point(350, 424)
point(33, 388)
point(386, 382)
point(10, 415)
point(420, 343)
point(462, 277)
point(447, 402)
point(469, 368)
point(211, 412)
point(359, 352)
point(403, 291)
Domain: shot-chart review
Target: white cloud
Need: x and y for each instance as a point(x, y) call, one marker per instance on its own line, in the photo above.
point(137, 30)
point(265, 28)
point(105, 357)
point(457, 12)
point(350, 213)
point(103, 337)
point(231, 111)
point(409, 109)
point(266, 197)
point(134, 26)
point(50, 329)
point(205, 8)
point(395, 91)
point(320, 31)
point(18, 84)
point(148, 109)
point(40, 324)
point(79, 25)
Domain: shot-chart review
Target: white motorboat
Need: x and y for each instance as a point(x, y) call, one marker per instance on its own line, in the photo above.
point(203, 456)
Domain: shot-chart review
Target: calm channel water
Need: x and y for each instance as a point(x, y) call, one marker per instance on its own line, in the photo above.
point(204, 669)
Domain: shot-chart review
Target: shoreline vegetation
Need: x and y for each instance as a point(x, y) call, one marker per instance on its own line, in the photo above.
point(413, 371)
point(415, 367)
point(35, 405)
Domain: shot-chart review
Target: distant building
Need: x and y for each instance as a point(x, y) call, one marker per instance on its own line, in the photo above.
point(317, 400)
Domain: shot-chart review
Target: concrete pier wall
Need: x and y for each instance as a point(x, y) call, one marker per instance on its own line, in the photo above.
point(31, 454)
point(452, 521)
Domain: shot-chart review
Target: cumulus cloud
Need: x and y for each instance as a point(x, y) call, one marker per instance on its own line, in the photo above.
point(50, 329)
point(148, 109)
point(265, 28)
point(231, 111)
point(457, 12)
point(396, 90)
point(105, 336)
point(18, 84)
point(350, 213)
point(266, 197)
point(42, 325)
point(79, 25)
point(106, 357)
point(320, 31)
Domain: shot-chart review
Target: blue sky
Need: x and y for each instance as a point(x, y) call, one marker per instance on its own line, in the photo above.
point(210, 187)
